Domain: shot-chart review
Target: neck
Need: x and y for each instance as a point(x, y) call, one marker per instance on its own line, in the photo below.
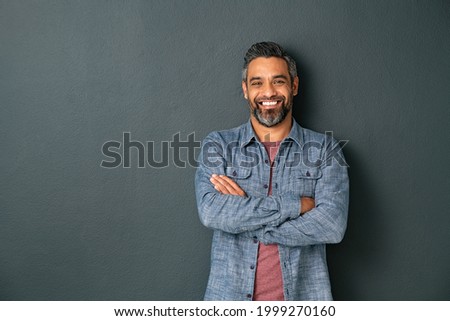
point(272, 134)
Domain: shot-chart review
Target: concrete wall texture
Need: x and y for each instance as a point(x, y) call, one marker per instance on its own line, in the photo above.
point(77, 74)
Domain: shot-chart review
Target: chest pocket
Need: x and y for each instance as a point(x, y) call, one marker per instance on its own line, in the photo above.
point(238, 172)
point(303, 180)
point(240, 175)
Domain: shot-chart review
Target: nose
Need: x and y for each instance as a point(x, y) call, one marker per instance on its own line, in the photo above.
point(269, 90)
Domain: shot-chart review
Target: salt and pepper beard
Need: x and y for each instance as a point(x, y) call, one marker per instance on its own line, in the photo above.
point(273, 116)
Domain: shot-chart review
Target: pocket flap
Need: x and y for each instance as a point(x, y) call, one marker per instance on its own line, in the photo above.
point(238, 172)
point(309, 173)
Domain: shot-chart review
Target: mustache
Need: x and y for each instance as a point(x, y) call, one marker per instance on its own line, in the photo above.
point(265, 98)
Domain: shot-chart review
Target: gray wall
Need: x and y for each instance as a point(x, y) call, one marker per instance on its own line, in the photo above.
point(76, 74)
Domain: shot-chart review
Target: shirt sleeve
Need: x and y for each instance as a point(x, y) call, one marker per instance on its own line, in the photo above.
point(327, 222)
point(230, 213)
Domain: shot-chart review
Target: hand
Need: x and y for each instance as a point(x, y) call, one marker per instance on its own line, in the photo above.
point(307, 204)
point(225, 185)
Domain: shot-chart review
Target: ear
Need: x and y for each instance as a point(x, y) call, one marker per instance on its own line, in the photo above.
point(295, 86)
point(244, 89)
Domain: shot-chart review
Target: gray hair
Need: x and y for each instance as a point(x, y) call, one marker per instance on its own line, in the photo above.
point(267, 50)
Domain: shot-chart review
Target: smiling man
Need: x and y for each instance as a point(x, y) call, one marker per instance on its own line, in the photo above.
point(273, 192)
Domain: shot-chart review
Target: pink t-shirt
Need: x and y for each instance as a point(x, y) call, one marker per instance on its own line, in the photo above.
point(269, 279)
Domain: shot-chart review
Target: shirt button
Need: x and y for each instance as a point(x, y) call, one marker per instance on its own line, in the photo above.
point(266, 161)
point(265, 185)
point(276, 185)
point(249, 296)
point(234, 173)
point(252, 267)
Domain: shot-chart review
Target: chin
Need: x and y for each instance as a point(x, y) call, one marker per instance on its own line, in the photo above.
point(270, 118)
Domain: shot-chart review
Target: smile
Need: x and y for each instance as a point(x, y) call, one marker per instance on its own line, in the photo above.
point(269, 103)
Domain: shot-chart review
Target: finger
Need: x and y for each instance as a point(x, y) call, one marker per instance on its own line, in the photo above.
point(232, 185)
point(230, 182)
point(312, 201)
point(218, 189)
point(224, 184)
point(219, 185)
point(307, 204)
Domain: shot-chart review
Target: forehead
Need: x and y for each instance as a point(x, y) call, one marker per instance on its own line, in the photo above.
point(262, 66)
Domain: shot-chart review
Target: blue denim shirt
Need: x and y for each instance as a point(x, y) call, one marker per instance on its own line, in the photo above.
point(307, 164)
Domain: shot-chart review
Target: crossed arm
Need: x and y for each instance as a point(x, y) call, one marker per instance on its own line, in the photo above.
point(285, 218)
point(323, 224)
point(225, 185)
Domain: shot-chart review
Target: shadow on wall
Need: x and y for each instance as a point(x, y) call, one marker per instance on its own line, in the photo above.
point(359, 251)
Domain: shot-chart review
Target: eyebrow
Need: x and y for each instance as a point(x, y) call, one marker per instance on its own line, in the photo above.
point(281, 76)
point(274, 77)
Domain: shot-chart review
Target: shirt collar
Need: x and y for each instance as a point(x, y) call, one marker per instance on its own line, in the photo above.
point(249, 134)
point(296, 133)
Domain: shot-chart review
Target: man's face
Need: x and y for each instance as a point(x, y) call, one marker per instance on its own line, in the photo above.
point(269, 90)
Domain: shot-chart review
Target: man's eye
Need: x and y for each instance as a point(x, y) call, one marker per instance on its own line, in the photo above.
point(279, 82)
point(256, 83)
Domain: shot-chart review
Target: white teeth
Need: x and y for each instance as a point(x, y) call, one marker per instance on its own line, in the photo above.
point(269, 103)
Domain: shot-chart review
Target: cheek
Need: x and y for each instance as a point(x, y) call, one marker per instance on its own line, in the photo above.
point(251, 96)
point(288, 94)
